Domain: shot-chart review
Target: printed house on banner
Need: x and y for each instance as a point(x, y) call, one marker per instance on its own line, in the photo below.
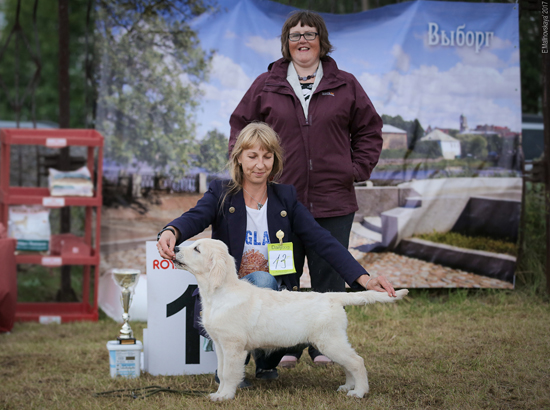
point(450, 147)
point(394, 138)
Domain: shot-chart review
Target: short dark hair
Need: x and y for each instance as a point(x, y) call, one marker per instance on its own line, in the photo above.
point(307, 18)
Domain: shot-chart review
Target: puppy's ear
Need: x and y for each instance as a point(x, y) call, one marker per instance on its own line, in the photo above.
point(218, 267)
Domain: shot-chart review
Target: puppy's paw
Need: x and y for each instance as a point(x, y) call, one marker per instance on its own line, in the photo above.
point(221, 397)
point(345, 388)
point(356, 393)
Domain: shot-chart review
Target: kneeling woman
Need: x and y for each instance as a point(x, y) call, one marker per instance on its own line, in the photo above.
point(248, 210)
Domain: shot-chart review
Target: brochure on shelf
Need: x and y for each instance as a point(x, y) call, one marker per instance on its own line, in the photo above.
point(30, 225)
point(70, 183)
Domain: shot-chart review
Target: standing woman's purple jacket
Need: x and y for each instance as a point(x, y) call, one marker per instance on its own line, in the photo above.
point(338, 144)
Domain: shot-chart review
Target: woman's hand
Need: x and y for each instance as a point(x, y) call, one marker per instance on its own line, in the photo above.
point(166, 244)
point(380, 284)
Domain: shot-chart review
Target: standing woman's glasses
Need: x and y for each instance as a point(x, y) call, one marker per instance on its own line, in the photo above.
point(309, 36)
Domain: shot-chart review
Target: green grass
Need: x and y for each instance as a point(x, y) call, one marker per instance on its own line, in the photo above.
point(530, 270)
point(437, 164)
point(452, 349)
point(461, 168)
point(37, 283)
point(480, 243)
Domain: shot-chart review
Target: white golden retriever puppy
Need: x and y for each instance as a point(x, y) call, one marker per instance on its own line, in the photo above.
point(240, 317)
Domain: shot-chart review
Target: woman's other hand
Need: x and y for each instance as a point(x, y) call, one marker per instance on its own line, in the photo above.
point(379, 283)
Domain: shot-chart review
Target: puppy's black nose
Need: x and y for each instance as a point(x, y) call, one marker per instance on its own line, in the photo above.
point(176, 249)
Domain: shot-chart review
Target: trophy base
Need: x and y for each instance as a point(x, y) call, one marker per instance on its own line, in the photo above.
point(126, 341)
point(125, 360)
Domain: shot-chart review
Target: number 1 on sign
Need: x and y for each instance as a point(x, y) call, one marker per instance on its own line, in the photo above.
point(192, 337)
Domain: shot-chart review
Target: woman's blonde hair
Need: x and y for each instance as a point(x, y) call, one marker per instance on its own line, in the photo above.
point(252, 134)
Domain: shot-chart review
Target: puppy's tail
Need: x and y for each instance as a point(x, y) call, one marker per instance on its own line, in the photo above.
point(367, 297)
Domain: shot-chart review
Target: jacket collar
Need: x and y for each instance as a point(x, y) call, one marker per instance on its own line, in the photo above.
point(277, 72)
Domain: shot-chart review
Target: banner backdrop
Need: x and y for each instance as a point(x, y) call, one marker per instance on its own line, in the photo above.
point(428, 60)
point(444, 76)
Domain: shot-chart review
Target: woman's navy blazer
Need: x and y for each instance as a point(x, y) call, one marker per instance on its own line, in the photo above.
point(284, 212)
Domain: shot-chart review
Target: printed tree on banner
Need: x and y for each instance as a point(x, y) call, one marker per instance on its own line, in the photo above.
point(213, 151)
point(473, 145)
point(151, 65)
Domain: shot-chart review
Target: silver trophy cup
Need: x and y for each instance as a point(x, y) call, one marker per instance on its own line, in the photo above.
point(127, 279)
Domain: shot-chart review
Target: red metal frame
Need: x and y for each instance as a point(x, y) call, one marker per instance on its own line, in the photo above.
point(56, 138)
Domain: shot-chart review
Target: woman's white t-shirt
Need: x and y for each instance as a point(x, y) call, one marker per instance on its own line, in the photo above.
point(255, 243)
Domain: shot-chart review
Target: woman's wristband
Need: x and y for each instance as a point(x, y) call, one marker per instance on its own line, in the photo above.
point(367, 284)
point(168, 228)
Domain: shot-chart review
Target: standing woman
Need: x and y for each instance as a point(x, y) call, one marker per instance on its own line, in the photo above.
point(329, 130)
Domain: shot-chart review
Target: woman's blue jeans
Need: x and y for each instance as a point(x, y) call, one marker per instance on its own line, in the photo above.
point(262, 280)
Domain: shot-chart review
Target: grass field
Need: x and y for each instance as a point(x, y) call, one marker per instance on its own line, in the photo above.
point(456, 349)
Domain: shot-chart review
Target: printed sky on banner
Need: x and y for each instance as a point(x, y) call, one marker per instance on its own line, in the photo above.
point(428, 60)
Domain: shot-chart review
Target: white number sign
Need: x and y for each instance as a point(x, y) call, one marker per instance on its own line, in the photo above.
point(172, 346)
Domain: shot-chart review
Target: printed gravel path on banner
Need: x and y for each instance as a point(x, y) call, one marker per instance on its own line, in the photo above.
point(405, 272)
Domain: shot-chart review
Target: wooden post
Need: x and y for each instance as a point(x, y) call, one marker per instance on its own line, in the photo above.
point(66, 292)
point(64, 84)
